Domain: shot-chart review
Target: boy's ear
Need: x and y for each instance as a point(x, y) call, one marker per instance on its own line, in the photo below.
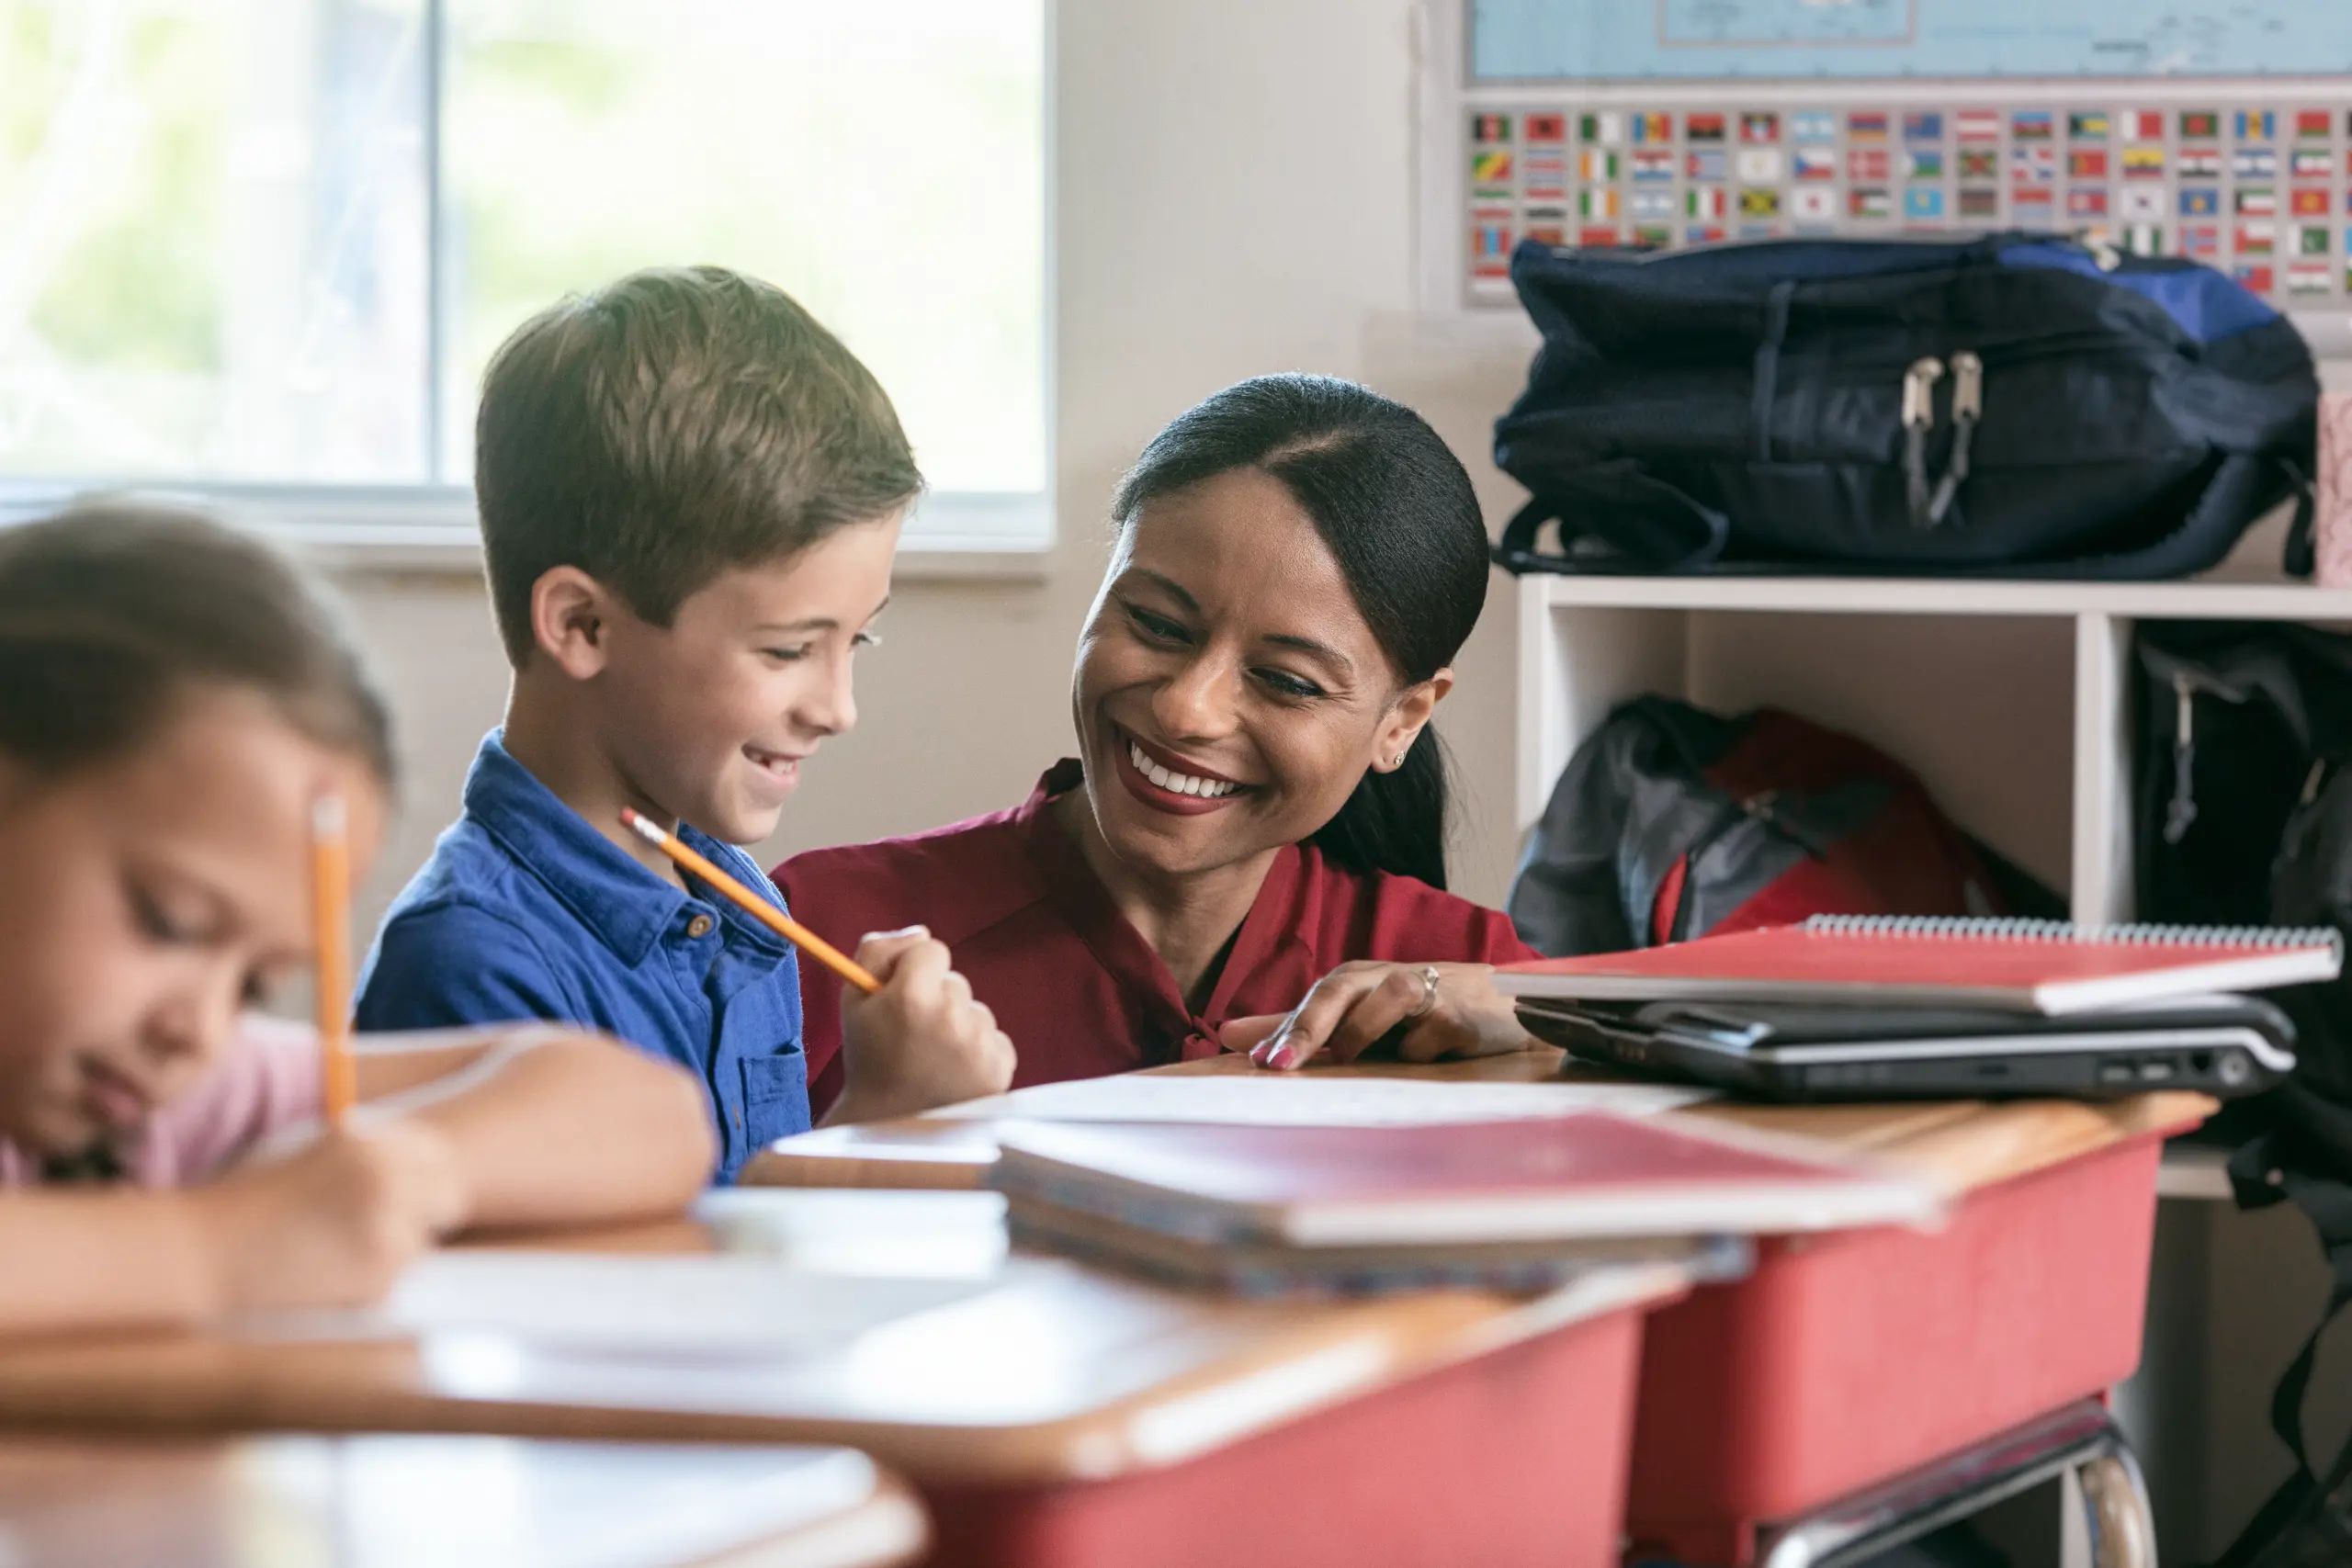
point(572, 619)
point(1406, 717)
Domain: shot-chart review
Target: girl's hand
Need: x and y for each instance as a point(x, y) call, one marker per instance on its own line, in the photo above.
point(1358, 1005)
point(332, 1225)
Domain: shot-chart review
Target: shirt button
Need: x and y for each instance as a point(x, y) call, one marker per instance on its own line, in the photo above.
point(699, 926)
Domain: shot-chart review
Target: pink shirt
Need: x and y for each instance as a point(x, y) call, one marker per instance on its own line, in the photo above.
point(269, 1080)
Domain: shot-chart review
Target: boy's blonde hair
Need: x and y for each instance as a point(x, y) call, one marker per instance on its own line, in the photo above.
point(667, 428)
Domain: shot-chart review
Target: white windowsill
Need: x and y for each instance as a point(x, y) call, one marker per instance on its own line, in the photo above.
point(432, 532)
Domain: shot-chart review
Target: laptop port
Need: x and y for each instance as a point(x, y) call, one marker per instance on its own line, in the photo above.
point(2156, 1069)
point(2200, 1062)
point(2235, 1070)
point(2115, 1070)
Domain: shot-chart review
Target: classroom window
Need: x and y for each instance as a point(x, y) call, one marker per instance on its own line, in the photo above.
point(269, 245)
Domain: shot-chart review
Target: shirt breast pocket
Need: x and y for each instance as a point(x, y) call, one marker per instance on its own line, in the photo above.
point(775, 1096)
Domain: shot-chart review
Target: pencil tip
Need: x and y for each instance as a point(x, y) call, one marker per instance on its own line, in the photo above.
point(327, 817)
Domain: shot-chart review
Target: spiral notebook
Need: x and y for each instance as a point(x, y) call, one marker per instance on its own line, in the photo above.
point(2042, 967)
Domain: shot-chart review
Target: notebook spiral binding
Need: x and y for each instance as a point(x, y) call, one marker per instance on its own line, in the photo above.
point(1984, 929)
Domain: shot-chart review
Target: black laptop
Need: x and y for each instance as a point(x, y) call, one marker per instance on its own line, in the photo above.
point(2222, 1045)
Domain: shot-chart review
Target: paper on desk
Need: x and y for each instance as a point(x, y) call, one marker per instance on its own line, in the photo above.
point(1274, 1100)
point(694, 1305)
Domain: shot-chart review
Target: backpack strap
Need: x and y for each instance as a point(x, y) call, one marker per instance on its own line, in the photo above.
point(2262, 1173)
point(1628, 521)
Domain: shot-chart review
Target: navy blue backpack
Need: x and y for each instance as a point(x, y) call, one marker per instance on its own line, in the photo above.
point(2014, 405)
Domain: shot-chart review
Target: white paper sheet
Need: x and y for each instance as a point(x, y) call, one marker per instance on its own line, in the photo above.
point(694, 1305)
point(1274, 1099)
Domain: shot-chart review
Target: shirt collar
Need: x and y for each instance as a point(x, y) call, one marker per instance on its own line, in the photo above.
point(626, 906)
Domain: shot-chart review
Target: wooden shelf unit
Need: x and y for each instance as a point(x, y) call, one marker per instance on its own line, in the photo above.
point(2005, 696)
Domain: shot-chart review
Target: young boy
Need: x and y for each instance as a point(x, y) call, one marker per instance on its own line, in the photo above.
point(690, 495)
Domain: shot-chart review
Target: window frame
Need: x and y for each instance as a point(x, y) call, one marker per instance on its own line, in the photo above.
point(433, 526)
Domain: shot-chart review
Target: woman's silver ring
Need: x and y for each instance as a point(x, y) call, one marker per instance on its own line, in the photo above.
point(1429, 994)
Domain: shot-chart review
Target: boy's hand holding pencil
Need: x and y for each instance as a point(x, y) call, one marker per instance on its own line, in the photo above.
point(912, 1035)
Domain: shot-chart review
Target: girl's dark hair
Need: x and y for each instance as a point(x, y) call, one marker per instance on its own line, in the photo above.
point(1395, 506)
point(109, 615)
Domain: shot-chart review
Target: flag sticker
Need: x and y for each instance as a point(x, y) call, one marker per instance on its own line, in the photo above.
point(1980, 203)
point(1706, 163)
point(1703, 235)
point(2038, 164)
point(1705, 202)
point(1490, 247)
point(1978, 125)
point(2088, 201)
point(1490, 170)
point(2144, 240)
point(2200, 202)
point(2199, 124)
point(2032, 125)
point(1546, 175)
point(1601, 203)
point(2256, 125)
point(1759, 164)
point(1596, 168)
point(1870, 202)
point(2312, 125)
point(1759, 126)
point(1605, 130)
point(1814, 162)
point(2255, 201)
point(2199, 163)
point(2087, 126)
point(1814, 204)
point(2144, 124)
point(1489, 128)
point(1653, 128)
point(1652, 164)
point(1593, 237)
point(2202, 242)
point(2310, 239)
point(1703, 128)
point(1652, 237)
point(2311, 164)
point(2140, 204)
point(1650, 204)
point(1866, 125)
point(2308, 202)
point(1924, 164)
point(1922, 204)
point(1759, 203)
point(2257, 239)
point(2259, 280)
point(1547, 225)
point(1813, 125)
point(2035, 197)
point(2086, 163)
point(1926, 126)
point(2254, 163)
point(1980, 163)
point(2307, 277)
point(1543, 127)
point(1870, 166)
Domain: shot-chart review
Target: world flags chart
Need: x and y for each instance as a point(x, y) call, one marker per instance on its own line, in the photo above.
point(2262, 192)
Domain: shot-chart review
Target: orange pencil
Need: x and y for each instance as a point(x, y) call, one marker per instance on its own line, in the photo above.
point(751, 903)
point(331, 929)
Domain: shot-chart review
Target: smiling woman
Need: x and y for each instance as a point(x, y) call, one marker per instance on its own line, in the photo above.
point(1249, 852)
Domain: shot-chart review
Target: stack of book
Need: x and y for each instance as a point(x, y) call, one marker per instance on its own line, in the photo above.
point(1525, 1204)
point(1846, 1008)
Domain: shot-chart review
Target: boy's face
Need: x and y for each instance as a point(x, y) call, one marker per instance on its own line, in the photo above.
point(145, 901)
point(710, 717)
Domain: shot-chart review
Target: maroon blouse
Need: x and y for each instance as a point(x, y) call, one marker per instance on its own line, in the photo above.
point(1075, 986)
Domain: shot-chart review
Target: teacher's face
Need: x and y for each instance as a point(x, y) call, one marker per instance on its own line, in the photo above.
point(1228, 693)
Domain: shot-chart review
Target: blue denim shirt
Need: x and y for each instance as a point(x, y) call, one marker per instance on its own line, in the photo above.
point(525, 911)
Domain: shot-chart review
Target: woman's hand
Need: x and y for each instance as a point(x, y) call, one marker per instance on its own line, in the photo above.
point(1357, 1005)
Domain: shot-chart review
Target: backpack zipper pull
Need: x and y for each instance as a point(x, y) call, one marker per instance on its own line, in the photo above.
point(2181, 810)
point(1967, 408)
point(1918, 415)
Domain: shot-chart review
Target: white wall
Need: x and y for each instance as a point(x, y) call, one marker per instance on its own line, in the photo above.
point(1234, 196)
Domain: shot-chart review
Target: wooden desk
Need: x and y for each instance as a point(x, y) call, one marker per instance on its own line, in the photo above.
point(402, 1502)
point(1961, 1144)
point(1050, 1415)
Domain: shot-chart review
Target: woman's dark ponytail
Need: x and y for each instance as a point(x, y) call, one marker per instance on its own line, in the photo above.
point(1396, 507)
